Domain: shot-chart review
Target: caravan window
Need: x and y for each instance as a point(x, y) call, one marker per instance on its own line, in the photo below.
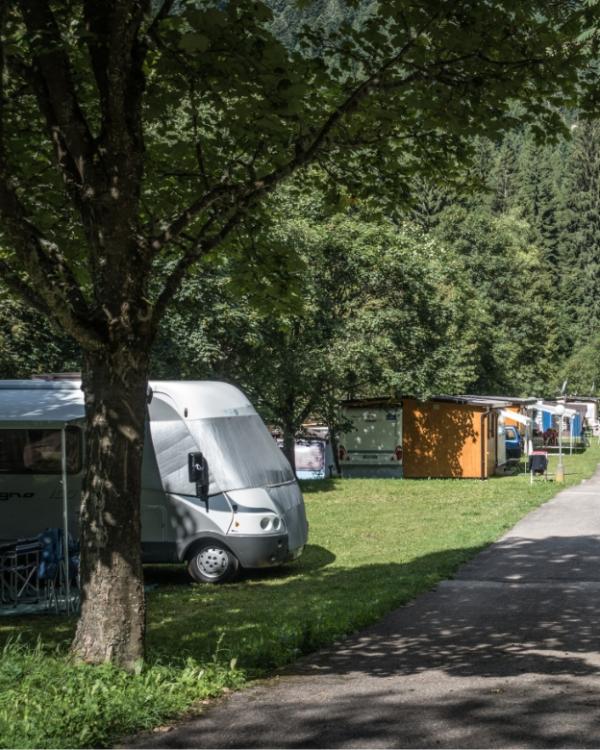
point(241, 452)
point(310, 455)
point(38, 451)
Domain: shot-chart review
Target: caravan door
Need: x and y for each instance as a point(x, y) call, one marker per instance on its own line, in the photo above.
point(168, 494)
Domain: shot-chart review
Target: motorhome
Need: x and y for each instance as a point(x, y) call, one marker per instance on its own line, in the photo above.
point(217, 492)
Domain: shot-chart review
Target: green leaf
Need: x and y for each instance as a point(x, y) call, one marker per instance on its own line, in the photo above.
point(193, 42)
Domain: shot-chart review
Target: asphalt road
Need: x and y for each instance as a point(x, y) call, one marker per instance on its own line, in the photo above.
point(505, 655)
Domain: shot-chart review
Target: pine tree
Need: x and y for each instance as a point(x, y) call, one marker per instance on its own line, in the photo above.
point(580, 236)
point(503, 174)
point(538, 199)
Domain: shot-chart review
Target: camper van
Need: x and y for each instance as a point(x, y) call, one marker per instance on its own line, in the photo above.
point(217, 492)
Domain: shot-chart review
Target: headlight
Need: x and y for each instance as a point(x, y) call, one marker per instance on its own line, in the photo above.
point(272, 522)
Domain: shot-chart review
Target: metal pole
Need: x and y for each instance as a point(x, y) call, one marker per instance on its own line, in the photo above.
point(63, 445)
point(526, 447)
point(560, 469)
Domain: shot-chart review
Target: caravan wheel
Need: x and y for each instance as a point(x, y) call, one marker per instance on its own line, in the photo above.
point(211, 562)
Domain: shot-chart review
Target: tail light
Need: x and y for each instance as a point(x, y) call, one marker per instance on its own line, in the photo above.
point(398, 453)
point(342, 453)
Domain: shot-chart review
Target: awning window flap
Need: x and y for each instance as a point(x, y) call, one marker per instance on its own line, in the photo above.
point(520, 418)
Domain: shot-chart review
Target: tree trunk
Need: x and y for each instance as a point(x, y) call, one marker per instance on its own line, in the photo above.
point(289, 445)
point(112, 622)
point(333, 441)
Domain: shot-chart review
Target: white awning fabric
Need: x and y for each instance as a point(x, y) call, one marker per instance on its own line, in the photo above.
point(38, 407)
point(520, 418)
point(552, 409)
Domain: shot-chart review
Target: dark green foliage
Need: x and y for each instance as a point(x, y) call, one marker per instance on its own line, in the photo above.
point(581, 233)
point(582, 369)
point(511, 318)
point(378, 309)
point(29, 345)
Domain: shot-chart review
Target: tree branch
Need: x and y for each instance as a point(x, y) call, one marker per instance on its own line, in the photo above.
point(16, 284)
point(42, 261)
point(305, 151)
point(46, 267)
point(182, 221)
point(163, 13)
point(59, 96)
point(68, 167)
point(117, 54)
point(302, 156)
point(50, 300)
point(201, 247)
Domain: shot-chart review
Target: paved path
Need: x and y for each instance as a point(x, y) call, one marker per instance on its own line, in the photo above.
point(505, 655)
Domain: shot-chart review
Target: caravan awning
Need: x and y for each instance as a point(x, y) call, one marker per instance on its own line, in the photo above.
point(515, 416)
point(38, 406)
point(552, 409)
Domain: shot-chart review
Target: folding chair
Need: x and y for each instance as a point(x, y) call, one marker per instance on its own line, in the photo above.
point(538, 465)
point(19, 563)
point(52, 569)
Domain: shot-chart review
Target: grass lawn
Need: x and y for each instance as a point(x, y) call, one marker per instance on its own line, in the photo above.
point(374, 544)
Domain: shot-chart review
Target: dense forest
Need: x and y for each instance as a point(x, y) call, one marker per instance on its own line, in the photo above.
point(489, 286)
point(493, 288)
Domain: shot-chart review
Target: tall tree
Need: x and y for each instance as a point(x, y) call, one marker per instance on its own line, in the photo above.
point(513, 314)
point(581, 369)
point(504, 173)
point(580, 239)
point(136, 137)
point(538, 199)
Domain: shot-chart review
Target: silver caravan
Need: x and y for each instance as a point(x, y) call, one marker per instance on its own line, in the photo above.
point(217, 491)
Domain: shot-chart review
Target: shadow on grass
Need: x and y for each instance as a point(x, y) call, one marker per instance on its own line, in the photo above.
point(314, 557)
point(315, 486)
point(266, 622)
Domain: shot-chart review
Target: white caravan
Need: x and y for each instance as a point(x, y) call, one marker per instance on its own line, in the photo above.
point(216, 490)
point(372, 446)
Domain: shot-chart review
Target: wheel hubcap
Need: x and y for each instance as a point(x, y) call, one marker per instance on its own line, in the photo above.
point(212, 562)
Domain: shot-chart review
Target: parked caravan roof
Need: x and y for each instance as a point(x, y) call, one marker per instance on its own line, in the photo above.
point(507, 399)
point(203, 399)
point(385, 402)
point(37, 403)
point(488, 401)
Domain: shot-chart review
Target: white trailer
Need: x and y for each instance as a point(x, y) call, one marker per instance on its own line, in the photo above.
point(217, 493)
point(372, 445)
